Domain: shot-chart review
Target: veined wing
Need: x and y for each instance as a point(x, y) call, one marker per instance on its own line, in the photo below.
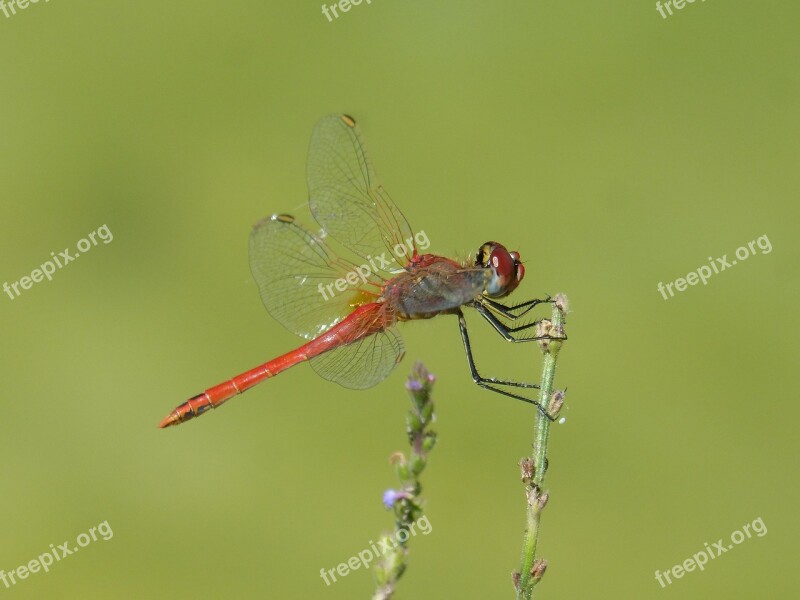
point(346, 198)
point(363, 363)
point(297, 277)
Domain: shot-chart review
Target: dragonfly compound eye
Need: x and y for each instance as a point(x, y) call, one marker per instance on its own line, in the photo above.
point(507, 270)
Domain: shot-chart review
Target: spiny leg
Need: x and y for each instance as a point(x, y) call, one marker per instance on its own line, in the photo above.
point(507, 332)
point(489, 383)
point(508, 311)
point(503, 329)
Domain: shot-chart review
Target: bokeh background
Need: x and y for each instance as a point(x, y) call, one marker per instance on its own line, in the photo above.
point(613, 148)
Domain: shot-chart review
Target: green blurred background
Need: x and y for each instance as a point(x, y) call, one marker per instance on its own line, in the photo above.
point(613, 148)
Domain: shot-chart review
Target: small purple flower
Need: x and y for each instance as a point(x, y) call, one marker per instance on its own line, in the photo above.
point(390, 497)
point(414, 385)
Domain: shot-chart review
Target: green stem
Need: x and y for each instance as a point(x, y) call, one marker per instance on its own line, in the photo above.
point(405, 501)
point(536, 497)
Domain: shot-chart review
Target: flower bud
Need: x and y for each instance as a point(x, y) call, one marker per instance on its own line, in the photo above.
point(561, 303)
point(538, 569)
point(527, 468)
point(556, 402)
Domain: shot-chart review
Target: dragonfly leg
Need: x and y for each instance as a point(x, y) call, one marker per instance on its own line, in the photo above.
point(509, 312)
point(490, 383)
point(507, 331)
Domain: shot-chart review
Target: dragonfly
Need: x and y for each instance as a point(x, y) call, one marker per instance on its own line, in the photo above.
point(348, 312)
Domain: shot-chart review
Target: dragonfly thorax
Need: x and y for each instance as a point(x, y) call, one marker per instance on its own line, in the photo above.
point(434, 285)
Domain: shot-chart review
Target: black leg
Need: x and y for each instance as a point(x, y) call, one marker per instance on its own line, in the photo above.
point(489, 383)
point(507, 332)
point(509, 311)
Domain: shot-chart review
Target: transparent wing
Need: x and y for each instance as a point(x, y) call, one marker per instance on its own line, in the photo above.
point(363, 363)
point(297, 277)
point(346, 198)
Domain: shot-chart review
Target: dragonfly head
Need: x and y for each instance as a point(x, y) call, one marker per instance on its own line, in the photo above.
point(506, 268)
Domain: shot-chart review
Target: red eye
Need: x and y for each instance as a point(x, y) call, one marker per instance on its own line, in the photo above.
point(507, 270)
point(503, 263)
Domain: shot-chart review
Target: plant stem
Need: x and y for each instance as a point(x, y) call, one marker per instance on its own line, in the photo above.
point(405, 501)
point(534, 469)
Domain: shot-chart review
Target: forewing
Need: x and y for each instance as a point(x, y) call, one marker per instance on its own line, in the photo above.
point(345, 196)
point(363, 363)
point(296, 274)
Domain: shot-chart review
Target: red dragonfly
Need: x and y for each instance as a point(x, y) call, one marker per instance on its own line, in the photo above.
point(348, 311)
